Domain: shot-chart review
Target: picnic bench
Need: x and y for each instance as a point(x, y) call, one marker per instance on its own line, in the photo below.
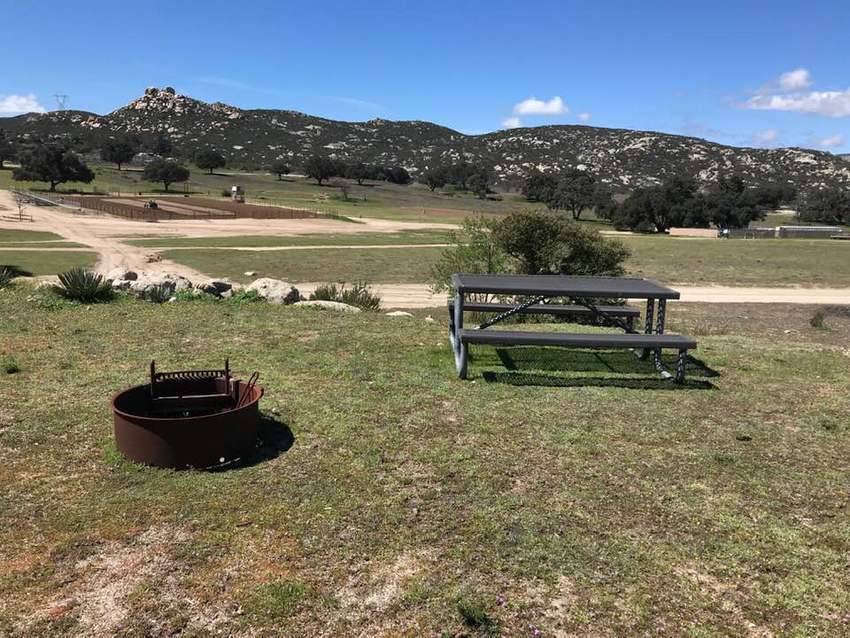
point(581, 294)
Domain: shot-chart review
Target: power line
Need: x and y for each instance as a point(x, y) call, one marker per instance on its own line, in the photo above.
point(61, 101)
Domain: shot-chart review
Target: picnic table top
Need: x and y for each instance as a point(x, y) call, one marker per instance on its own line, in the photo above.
point(563, 285)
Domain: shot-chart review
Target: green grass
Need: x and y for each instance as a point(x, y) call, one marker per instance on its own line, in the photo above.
point(764, 262)
point(378, 265)
point(8, 235)
point(567, 491)
point(248, 241)
point(47, 262)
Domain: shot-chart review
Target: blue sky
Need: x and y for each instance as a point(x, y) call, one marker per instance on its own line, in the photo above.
point(741, 73)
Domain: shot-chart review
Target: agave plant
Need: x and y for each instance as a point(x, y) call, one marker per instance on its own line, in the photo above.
point(83, 285)
point(6, 276)
point(159, 293)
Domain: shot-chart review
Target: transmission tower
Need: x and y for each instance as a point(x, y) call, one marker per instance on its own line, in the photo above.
point(61, 101)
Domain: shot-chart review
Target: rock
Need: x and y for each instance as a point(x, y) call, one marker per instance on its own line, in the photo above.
point(121, 274)
point(215, 287)
point(429, 319)
point(399, 313)
point(153, 257)
point(143, 285)
point(328, 305)
point(251, 273)
point(275, 290)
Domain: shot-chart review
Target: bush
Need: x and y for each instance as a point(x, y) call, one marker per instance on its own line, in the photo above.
point(82, 285)
point(6, 276)
point(359, 295)
point(474, 250)
point(246, 296)
point(817, 320)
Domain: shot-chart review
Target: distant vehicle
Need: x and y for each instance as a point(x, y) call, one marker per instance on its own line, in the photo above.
point(723, 233)
point(237, 194)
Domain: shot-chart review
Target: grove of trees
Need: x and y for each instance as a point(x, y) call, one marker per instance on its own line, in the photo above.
point(827, 206)
point(279, 168)
point(463, 175)
point(8, 151)
point(321, 168)
point(52, 164)
point(165, 171)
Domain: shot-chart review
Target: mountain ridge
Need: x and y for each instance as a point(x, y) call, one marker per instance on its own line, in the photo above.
point(255, 137)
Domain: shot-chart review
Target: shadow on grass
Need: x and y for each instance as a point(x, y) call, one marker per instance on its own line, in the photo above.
point(273, 439)
point(531, 365)
point(16, 272)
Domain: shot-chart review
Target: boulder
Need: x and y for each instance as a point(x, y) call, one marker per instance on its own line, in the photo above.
point(429, 319)
point(399, 313)
point(215, 287)
point(251, 273)
point(121, 274)
point(336, 306)
point(275, 290)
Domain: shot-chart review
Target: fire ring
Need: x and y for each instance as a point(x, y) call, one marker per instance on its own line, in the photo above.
point(188, 418)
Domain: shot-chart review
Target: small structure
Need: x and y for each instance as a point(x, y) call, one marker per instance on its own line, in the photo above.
point(237, 194)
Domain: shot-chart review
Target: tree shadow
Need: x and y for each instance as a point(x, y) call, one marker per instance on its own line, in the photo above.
point(533, 365)
point(274, 438)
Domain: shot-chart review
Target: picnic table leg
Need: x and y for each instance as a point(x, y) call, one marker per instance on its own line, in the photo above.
point(460, 348)
point(659, 329)
point(647, 325)
point(680, 366)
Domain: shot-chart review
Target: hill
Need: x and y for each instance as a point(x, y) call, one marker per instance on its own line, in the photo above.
point(252, 138)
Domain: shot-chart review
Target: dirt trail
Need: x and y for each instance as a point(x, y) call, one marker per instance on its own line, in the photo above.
point(102, 233)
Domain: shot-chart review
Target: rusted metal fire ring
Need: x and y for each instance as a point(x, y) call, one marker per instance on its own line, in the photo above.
point(204, 419)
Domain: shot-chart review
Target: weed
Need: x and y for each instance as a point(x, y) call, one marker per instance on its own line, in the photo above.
point(9, 364)
point(817, 320)
point(359, 295)
point(473, 610)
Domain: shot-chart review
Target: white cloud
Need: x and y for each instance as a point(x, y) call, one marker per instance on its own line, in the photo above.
point(16, 104)
point(533, 106)
point(832, 141)
point(828, 103)
point(584, 116)
point(765, 137)
point(511, 122)
point(795, 80)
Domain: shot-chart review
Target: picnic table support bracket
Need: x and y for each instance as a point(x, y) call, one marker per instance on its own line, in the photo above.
point(605, 317)
point(508, 313)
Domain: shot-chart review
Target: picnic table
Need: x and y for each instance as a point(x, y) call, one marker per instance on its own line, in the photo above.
point(583, 295)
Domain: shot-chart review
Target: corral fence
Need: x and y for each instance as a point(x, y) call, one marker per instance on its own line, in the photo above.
point(170, 208)
point(787, 232)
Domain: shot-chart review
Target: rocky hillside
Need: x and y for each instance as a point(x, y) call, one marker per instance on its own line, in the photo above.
point(254, 137)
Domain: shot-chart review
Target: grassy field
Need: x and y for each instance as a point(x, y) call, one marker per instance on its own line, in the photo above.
point(741, 262)
point(9, 236)
point(378, 265)
point(374, 199)
point(360, 239)
point(562, 492)
point(46, 262)
point(698, 261)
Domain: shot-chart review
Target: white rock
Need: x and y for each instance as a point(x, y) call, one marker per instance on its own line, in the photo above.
point(328, 305)
point(251, 273)
point(275, 290)
point(429, 319)
point(399, 313)
point(121, 273)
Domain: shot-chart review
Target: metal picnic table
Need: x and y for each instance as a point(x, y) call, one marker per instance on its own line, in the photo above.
point(538, 290)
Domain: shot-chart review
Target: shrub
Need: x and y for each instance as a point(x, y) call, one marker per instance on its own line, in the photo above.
point(359, 295)
point(817, 320)
point(473, 611)
point(159, 293)
point(246, 296)
point(82, 285)
point(474, 250)
point(6, 276)
point(9, 364)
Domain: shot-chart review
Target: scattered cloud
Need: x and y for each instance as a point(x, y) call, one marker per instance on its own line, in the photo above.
point(533, 106)
point(832, 141)
point(17, 104)
point(788, 93)
point(767, 137)
point(827, 103)
point(584, 116)
point(511, 122)
point(795, 80)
